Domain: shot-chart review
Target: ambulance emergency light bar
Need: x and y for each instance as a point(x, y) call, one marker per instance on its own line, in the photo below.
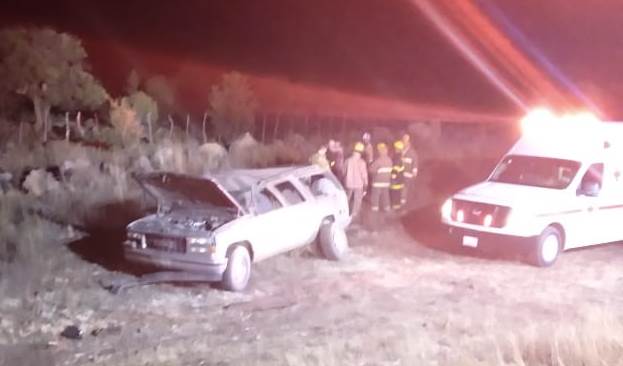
point(541, 122)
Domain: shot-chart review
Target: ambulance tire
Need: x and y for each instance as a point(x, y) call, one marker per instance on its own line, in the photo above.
point(547, 247)
point(332, 241)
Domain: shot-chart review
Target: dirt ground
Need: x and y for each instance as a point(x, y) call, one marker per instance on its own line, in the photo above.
point(404, 296)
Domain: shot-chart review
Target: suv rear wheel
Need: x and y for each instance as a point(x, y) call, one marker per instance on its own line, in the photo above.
point(238, 271)
point(333, 241)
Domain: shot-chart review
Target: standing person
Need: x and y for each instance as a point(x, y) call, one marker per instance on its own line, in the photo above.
point(397, 179)
point(320, 158)
point(356, 178)
point(410, 162)
point(335, 156)
point(368, 148)
point(381, 173)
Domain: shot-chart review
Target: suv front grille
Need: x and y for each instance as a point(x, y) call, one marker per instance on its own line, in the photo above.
point(166, 244)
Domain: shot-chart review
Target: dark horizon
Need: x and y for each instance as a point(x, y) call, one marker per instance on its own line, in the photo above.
point(360, 47)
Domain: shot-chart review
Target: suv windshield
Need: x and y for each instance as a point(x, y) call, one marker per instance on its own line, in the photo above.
point(536, 171)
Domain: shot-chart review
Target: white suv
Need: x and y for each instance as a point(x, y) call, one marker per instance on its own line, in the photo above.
point(218, 225)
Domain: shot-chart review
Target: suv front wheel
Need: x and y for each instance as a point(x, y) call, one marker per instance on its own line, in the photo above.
point(238, 271)
point(333, 241)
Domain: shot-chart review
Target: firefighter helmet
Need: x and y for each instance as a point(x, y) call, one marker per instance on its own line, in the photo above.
point(381, 146)
point(399, 145)
point(359, 147)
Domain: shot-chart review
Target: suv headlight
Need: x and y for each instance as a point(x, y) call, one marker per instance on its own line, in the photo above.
point(446, 209)
point(198, 241)
point(201, 245)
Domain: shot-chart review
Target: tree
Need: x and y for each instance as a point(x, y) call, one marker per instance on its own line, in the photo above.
point(162, 90)
point(50, 69)
point(133, 82)
point(125, 122)
point(232, 106)
point(143, 105)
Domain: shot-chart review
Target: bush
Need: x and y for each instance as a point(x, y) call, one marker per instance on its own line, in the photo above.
point(126, 122)
point(26, 244)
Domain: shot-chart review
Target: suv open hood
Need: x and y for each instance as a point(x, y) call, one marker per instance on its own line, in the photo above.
point(171, 188)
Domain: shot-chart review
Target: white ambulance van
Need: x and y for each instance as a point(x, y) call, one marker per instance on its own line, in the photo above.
point(559, 187)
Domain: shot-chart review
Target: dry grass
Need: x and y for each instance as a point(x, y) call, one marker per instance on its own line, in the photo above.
point(27, 245)
point(596, 339)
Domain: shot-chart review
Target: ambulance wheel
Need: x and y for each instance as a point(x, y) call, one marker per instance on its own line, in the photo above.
point(332, 241)
point(547, 247)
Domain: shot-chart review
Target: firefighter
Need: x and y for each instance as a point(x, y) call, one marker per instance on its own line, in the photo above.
point(356, 178)
point(397, 178)
point(380, 172)
point(368, 148)
point(410, 163)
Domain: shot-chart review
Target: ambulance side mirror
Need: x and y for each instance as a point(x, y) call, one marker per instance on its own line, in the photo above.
point(589, 188)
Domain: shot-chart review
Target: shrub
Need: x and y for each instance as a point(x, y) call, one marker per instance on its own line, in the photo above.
point(125, 122)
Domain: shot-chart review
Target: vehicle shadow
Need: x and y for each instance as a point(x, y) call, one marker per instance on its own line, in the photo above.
point(105, 234)
point(424, 226)
point(103, 245)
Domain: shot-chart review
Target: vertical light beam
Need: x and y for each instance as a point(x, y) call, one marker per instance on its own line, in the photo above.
point(468, 52)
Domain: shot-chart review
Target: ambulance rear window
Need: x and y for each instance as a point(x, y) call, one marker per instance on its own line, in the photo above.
point(536, 171)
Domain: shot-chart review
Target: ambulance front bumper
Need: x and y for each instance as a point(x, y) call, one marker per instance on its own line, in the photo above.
point(490, 242)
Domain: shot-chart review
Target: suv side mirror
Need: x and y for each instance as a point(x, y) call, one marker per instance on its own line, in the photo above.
point(589, 188)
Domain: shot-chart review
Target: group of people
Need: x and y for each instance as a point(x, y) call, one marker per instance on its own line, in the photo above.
point(385, 172)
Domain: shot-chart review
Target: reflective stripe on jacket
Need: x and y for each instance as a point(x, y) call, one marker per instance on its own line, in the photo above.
point(397, 175)
point(410, 162)
point(381, 171)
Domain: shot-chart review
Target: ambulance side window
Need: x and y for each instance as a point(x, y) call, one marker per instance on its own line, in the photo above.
point(592, 181)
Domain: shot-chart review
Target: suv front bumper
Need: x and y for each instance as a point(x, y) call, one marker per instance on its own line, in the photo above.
point(195, 263)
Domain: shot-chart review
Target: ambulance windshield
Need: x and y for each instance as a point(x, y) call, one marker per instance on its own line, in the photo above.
point(536, 171)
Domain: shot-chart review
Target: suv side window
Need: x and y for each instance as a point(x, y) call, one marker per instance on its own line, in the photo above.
point(321, 185)
point(266, 201)
point(290, 193)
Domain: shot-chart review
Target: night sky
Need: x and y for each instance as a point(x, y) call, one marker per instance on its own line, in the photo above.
point(377, 48)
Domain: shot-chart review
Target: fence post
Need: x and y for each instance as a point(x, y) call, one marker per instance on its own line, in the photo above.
point(46, 121)
point(66, 126)
point(172, 124)
point(263, 128)
point(203, 128)
point(276, 129)
point(149, 128)
point(79, 123)
point(20, 135)
point(187, 124)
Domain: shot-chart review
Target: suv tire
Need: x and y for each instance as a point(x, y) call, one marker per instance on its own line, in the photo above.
point(333, 241)
point(238, 271)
